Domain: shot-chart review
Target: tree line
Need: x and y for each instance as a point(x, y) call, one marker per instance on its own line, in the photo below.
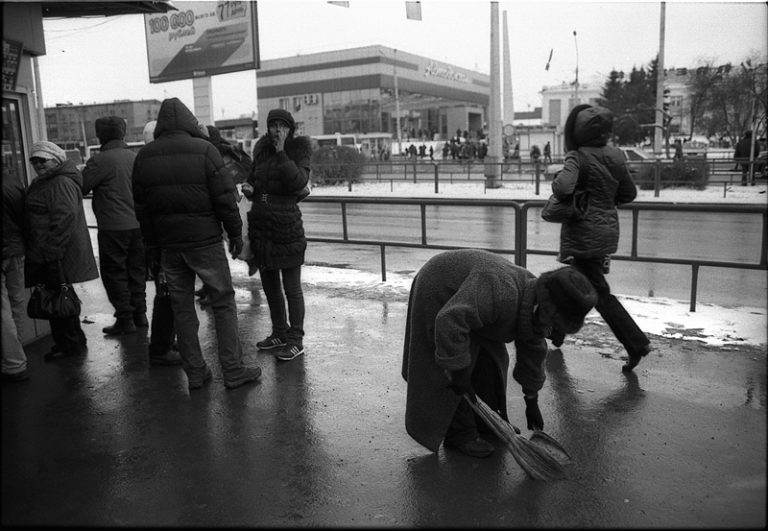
point(723, 101)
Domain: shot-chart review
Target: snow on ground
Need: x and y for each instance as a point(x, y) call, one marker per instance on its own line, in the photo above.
point(713, 325)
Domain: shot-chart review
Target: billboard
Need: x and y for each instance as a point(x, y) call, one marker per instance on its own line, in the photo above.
point(202, 39)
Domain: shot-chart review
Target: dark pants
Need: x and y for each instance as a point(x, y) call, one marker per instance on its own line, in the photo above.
point(162, 331)
point(291, 283)
point(466, 425)
point(123, 269)
point(620, 322)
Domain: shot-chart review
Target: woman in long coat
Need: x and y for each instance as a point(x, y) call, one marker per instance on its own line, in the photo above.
point(464, 306)
point(58, 242)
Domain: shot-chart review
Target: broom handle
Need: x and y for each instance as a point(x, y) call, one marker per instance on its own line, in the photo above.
point(472, 405)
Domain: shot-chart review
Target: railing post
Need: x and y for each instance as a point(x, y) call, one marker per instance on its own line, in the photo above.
point(344, 220)
point(657, 178)
point(694, 285)
point(423, 224)
point(538, 175)
point(383, 263)
point(414, 172)
point(436, 178)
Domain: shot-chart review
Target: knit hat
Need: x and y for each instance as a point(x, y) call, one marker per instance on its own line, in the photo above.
point(283, 115)
point(565, 296)
point(48, 150)
point(149, 131)
point(110, 128)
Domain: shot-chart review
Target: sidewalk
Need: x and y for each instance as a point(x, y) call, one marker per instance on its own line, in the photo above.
point(108, 441)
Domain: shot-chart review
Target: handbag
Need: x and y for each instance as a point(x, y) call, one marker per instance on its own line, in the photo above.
point(571, 208)
point(53, 303)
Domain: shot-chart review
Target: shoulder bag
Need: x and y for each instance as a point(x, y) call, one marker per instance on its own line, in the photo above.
point(573, 207)
point(54, 303)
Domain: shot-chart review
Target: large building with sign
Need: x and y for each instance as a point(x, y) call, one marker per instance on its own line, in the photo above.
point(360, 90)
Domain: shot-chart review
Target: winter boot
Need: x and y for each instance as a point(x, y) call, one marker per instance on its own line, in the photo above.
point(121, 326)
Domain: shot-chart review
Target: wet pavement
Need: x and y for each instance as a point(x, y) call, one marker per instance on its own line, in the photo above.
point(105, 440)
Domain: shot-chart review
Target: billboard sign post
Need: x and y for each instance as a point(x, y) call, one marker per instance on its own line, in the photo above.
point(202, 39)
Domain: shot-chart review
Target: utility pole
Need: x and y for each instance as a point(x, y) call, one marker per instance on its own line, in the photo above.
point(493, 168)
point(658, 130)
point(576, 82)
point(397, 105)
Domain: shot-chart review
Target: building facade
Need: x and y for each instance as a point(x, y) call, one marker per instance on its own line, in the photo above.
point(71, 125)
point(360, 90)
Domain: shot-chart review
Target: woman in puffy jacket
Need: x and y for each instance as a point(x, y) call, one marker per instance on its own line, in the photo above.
point(58, 242)
point(276, 230)
point(587, 244)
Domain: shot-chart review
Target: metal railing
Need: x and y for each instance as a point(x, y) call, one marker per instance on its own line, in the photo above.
point(521, 250)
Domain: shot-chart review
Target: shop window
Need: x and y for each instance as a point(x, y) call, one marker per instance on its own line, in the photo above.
point(14, 164)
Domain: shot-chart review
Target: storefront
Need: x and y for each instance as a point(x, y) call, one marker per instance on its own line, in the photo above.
point(360, 90)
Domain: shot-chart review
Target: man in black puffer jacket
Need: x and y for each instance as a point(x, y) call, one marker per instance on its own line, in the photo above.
point(182, 199)
point(587, 244)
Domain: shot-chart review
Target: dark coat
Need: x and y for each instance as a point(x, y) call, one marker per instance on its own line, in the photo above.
point(464, 304)
point(108, 175)
point(741, 153)
point(608, 181)
point(55, 227)
point(180, 195)
point(13, 217)
point(275, 227)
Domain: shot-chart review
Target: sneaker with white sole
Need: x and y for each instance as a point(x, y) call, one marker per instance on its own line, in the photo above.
point(271, 342)
point(292, 352)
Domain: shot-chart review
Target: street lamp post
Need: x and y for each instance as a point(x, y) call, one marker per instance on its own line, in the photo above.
point(576, 83)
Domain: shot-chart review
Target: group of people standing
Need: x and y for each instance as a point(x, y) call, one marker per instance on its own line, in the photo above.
point(162, 214)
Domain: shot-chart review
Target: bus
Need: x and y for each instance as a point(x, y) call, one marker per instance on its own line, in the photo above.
point(375, 146)
point(337, 139)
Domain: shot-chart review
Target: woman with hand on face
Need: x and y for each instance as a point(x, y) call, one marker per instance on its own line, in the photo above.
point(59, 246)
point(276, 230)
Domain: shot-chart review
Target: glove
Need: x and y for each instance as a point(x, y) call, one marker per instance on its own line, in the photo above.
point(235, 246)
point(532, 412)
point(461, 383)
point(247, 190)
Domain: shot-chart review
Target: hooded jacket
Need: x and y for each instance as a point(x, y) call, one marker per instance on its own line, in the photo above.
point(55, 227)
point(108, 175)
point(275, 227)
point(180, 195)
point(464, 304)
point(608, 182)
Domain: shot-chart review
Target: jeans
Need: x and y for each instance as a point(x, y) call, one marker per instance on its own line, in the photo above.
point(12, 281)
point(270, 281)
point(162, 331)
point(620, 322)
point(123, 269)
point(211, 265)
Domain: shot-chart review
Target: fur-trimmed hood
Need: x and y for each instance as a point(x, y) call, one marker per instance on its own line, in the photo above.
point(297, 148)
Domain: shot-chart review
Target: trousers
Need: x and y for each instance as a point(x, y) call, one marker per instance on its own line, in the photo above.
point(12, 284)
point(123, 268)
point(292, 331)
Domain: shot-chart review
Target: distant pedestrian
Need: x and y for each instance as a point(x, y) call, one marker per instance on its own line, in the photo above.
point(588, 244)
point(464, 306)
point(182, 202)
point(281, 166)
point(122, 260)
point(535, 153)
point(59, 248)
point(678, 150)
point(547, 153)
point(746, 148)
point(14, 360)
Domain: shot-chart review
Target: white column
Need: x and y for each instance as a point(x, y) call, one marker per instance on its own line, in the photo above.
point(203, 95)
point(492, 169)
point(509, 106)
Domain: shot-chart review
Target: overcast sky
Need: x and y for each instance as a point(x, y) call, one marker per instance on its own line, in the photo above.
point(105, 58)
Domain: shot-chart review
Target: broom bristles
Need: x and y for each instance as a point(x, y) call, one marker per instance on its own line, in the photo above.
point(535, 461)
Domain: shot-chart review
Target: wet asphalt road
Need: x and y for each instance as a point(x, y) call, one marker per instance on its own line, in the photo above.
point(106, 441)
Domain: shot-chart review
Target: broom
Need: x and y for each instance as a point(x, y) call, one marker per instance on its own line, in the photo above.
point(535, 460)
